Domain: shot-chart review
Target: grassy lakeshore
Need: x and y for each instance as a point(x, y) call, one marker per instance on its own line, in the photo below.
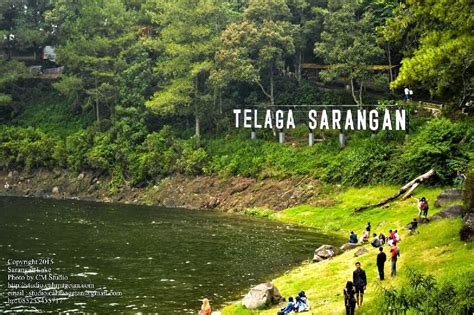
point(435, 250)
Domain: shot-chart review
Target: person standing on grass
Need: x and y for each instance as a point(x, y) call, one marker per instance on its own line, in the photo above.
point(367, 228)
point(349, 299)
point(394, 253)
point(381, 258)
point(359, 279)
point(422, 207)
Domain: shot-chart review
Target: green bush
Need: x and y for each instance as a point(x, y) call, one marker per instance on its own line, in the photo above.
point(365, 161)
point(421, 294)
point(29, 148)
point(192, 160)
point(439, 144)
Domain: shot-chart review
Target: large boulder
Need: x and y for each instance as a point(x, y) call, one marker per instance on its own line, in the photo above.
point(450, 212)
point(361, 251)
point(262, 295)
point(448, 196)
point(324, 252)
point(349, 246)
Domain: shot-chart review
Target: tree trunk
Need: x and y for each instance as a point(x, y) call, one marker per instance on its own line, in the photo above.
point(353, 92)
point(411, 185)
point(272, 100)
point(298, 65)
point(360, 93)
point(197, 132)
point(97, 104)
point(389, 63)
point(197, 122)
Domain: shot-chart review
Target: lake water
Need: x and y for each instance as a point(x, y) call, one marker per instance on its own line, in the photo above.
point(159, 260)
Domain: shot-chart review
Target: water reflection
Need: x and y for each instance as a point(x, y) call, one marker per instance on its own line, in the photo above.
point(162, 260)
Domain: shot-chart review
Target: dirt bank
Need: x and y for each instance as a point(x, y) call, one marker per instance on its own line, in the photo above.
point(202, 192)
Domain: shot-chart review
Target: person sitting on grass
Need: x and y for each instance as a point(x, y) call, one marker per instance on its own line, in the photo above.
point(376, 241)
point(300, 306)
point(392, 234)
point(382, 238)
point(413, 225)
point(390, 241)
point(289, 308)
point(304, 298)
point(365, 237)
point(353, 238)
point(397, 237)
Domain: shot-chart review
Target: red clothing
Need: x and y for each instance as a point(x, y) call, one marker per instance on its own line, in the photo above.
point(206, 312)
point(392, 235)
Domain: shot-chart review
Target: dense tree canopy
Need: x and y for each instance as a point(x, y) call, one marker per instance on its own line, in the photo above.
point(438, 46)
point(133, 68)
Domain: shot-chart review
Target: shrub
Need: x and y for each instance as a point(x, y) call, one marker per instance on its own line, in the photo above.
point(440, 144)
point(29, 148)
point(422, 294)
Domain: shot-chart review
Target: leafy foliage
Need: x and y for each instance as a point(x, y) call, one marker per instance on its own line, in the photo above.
point(422, 294)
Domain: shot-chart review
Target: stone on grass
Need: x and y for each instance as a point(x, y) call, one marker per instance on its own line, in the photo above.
point(325, 252)
point(450, 212)
point(448, 196)
point(467, 230)
point(349, 246)
point(262, 295)
point(361, 251)
point(55, 190)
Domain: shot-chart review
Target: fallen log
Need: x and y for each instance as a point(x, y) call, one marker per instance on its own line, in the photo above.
point(408, 188)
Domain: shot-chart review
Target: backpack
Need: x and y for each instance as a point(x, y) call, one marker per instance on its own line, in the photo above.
point(394, 252)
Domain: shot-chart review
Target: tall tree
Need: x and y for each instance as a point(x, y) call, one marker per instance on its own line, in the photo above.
point(348, 43)
point(308, 28)
point(24, 20)
point(185, 45)
point(255, 49)
point(92, 37)
point(438, 46)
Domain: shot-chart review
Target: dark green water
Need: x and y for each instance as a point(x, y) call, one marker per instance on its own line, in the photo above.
point(162, 260)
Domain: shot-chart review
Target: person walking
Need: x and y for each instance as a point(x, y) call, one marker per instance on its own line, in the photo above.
point(349, 299)
point(381, 258)
point(359, 280)
point(394, 253)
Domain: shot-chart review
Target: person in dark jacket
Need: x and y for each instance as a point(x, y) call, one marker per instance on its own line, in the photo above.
point(353, 238)
point(349, 299)
point(367, 228)
point(359, 279)
point(381, 259)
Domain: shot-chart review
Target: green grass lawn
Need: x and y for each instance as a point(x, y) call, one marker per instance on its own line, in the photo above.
point(436, 249)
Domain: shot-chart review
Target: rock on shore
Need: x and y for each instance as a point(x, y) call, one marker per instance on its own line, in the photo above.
point(264, 294)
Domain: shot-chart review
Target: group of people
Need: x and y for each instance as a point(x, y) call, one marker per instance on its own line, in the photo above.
point(354, 290)
point(297, 305)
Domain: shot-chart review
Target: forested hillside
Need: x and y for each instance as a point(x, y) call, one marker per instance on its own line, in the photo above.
point(144, 89)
